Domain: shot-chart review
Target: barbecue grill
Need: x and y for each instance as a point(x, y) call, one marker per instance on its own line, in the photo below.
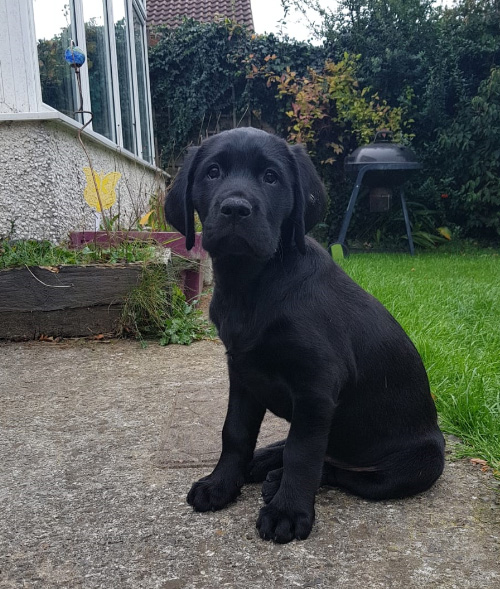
point(383, 167)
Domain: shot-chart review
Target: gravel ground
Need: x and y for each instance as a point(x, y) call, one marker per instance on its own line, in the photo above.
point(100, 443)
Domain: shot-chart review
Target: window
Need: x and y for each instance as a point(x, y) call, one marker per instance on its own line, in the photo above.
point(54, 34)
point(124, 74)
point(99, 68)
point(115, 83)
point(142, 84)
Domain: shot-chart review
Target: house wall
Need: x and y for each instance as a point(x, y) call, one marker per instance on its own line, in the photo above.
point(42, 180)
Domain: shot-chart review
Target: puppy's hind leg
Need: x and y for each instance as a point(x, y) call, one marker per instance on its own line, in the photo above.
point(271, 485)
point(264, 461)
point(406, 473)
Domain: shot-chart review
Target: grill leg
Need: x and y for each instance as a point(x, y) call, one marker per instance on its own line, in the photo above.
point(350, 208)
point(407, 223)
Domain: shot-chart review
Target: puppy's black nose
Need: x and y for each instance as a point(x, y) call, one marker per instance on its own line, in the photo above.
point(236, 207)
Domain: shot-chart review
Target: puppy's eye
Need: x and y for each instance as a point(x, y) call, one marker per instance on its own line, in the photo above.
point(213, 172)
point(270, 177)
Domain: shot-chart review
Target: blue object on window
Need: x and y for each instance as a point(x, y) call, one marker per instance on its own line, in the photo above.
point(74, 56)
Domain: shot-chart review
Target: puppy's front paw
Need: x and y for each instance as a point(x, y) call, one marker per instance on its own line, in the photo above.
point(283, 525)
point(212, 493)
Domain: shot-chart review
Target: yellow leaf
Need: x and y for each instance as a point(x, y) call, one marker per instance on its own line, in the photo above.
point(145, 218)
point(105, 184)
point(445, 232)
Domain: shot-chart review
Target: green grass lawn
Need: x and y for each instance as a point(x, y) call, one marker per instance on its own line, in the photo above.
point(449, 304)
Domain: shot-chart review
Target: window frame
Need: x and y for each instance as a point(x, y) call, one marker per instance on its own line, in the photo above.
point(138, 7)
point(80, 33)
point(78, 28)
point(115, 77)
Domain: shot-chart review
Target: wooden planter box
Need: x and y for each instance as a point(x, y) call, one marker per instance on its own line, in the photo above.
point(68, 301)
point(192, 279)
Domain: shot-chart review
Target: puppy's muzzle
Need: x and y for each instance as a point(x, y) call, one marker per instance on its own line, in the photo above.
point(235, 208)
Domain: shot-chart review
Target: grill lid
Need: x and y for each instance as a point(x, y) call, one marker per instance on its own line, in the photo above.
point(382, 154)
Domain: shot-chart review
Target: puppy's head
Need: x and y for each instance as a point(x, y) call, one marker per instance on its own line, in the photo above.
point(251, 191)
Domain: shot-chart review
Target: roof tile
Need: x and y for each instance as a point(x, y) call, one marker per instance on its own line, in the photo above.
point(171, 12)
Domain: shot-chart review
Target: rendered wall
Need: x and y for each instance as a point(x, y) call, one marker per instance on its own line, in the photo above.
point(42, 181)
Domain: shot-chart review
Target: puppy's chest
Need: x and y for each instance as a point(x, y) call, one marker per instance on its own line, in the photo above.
point(243, 343)
point(256, 361)
point(264, 380)
point(236, 324)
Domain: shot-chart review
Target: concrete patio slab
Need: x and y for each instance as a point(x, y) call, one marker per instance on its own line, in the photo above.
point(100, 442)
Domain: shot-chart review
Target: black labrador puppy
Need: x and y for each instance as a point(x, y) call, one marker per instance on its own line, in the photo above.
point(303, 341)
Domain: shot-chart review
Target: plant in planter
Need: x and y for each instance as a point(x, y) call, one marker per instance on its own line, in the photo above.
point(54, 291)
point(191, 275)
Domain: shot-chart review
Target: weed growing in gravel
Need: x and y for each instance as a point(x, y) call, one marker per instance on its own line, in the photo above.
point(157, 308)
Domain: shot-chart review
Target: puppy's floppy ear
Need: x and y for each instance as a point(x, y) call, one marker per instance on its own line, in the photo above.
point(313, 189)
point(179, 208)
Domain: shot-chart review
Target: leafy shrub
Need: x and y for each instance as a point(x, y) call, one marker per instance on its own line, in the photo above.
point(327, 108)
point(475, 136)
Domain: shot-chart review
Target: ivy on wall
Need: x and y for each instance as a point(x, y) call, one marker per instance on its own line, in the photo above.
point(199, 73)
